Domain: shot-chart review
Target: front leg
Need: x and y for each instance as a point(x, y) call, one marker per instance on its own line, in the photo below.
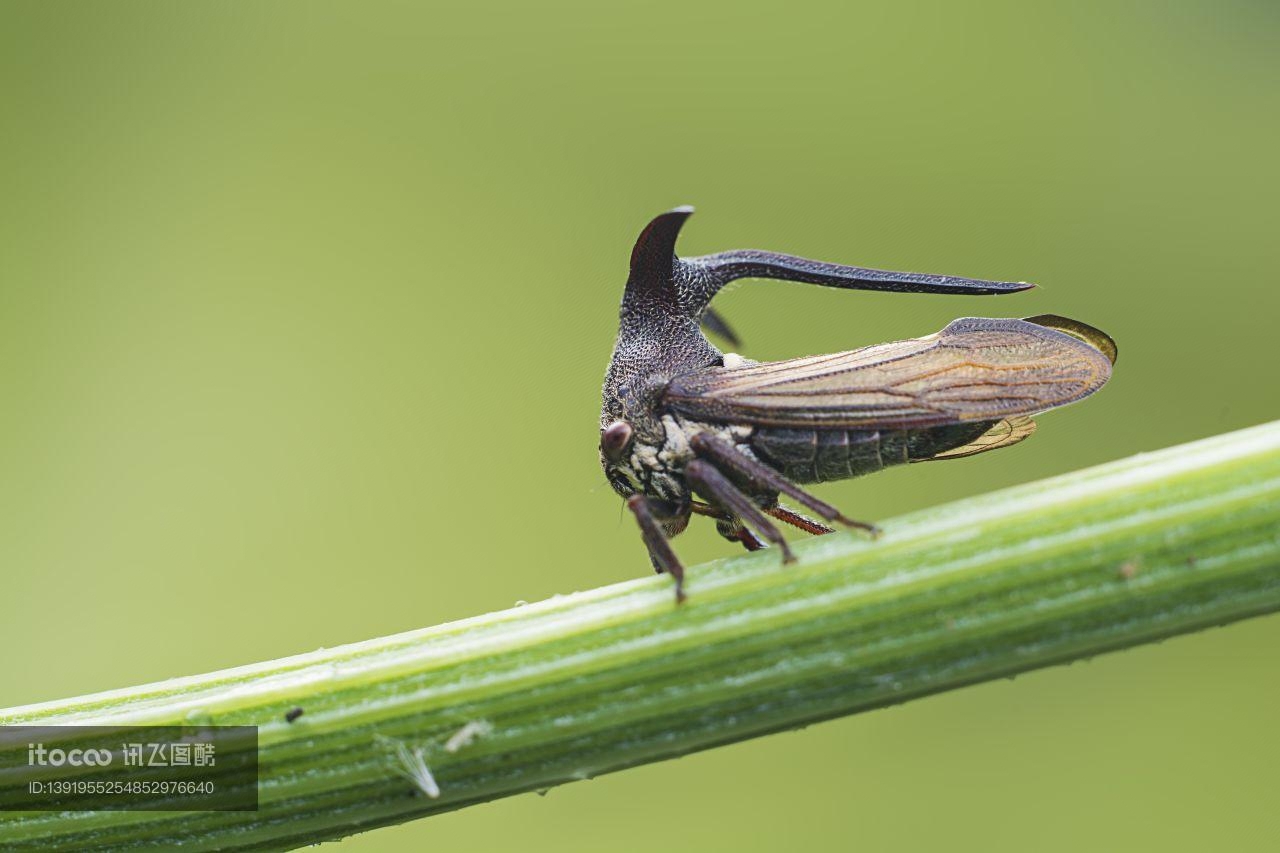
point(655, 539)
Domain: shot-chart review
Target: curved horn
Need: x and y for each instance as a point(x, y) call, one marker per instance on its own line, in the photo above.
point(653, 259)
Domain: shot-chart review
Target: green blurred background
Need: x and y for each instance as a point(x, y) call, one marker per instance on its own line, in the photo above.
point(304, 309)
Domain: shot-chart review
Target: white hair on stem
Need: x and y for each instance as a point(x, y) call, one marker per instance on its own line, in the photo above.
point(415, 769)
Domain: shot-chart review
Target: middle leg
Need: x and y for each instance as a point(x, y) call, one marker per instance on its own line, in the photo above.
point(761, 476)
point(707, 481)
point(729, 527)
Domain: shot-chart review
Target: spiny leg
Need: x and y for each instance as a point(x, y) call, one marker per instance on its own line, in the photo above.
point(715, 487)
point(782, 513)
point(712, 447)
point(655, 539)
point(729, 527)
point(795, 519)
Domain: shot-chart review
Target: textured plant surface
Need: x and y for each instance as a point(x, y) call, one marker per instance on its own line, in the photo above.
point(580, 685)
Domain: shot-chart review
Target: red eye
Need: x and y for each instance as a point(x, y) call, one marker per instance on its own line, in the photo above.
point(614, 440)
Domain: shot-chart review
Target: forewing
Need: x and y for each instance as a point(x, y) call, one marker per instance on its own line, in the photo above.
point(974, 369)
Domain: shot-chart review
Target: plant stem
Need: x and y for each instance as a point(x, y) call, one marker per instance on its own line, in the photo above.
point(585, 684)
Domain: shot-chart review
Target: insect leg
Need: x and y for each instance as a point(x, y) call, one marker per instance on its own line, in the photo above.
point(735, 531)
point(795, 519)
point(655, 539)
point(706, 509)
point(715, 487)
point(729, 527)
point(713, 447)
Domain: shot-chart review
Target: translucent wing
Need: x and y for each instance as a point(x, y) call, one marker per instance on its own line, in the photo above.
point(973, 370)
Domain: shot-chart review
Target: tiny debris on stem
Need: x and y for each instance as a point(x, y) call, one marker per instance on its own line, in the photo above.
point(465, 735)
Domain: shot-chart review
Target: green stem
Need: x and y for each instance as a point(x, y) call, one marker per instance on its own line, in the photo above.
point(580, 685)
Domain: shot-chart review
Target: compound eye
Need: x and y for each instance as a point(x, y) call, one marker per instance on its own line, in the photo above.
point(614, 440)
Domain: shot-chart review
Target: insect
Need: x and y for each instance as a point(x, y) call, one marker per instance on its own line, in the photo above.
point(686, 429)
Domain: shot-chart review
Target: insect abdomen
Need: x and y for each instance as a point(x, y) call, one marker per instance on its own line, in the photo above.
point(818, 456)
